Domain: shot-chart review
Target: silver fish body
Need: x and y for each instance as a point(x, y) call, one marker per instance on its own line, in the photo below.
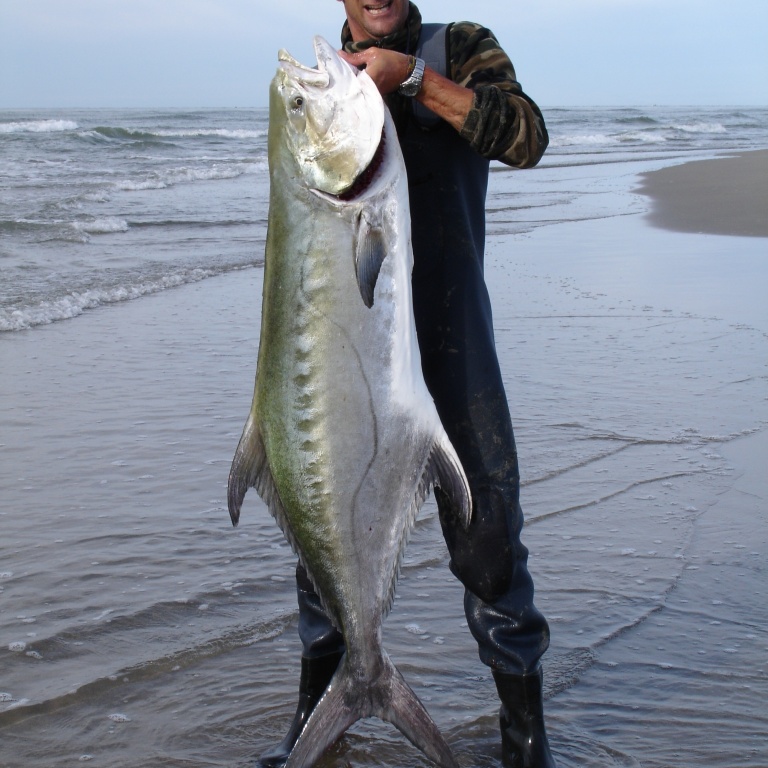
point(343, 441)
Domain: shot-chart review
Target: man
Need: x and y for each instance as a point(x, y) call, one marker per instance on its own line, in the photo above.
point(477, 112)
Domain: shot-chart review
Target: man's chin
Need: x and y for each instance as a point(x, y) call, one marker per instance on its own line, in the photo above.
point(381, 19)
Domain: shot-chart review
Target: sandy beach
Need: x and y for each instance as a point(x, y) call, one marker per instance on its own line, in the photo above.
point(724, 196)
point(138, 629)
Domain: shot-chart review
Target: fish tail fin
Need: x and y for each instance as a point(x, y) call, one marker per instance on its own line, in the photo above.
point(337, 710)
point(402, 708)
point(349, 698)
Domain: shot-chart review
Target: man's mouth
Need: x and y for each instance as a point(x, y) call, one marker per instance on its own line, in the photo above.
point(375, 9)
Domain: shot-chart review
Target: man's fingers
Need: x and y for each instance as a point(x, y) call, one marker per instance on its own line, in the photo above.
point(355, 59)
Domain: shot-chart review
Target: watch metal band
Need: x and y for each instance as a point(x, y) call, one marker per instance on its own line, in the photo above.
point(412, 84)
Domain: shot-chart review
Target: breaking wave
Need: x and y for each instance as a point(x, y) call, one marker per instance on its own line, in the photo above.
point(104, 226)
point(701, 128)
point(184, 175)
point(38, 126)
point(130, 134)
point(655, 134)
point(74, 303)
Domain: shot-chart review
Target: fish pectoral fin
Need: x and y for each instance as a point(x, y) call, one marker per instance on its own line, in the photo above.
point(445, 471)
point(250, 469)
point(370, 251)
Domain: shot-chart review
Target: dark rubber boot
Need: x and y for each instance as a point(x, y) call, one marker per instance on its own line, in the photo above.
point(524, 741)
point(315, 676)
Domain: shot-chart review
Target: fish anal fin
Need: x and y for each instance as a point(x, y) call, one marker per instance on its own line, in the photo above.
point(445, 471)
point(442, 469)
point(370, 252)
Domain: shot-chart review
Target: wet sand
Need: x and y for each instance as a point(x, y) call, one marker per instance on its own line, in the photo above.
point(138, 629)
point(723, 196)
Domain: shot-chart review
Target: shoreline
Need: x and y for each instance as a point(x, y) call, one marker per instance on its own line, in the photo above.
point(718, 196)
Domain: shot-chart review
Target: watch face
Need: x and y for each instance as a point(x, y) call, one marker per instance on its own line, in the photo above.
point(412, 85)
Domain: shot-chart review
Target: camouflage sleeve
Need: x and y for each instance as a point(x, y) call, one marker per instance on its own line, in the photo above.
point(503, 124)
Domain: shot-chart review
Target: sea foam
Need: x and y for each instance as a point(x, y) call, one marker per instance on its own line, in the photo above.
point(701, 128)
point(104, 226)
point(76, 302)
point(185, 175)
point(595, 139)
point(224, 133)
point(130, 134)
point(38, 126)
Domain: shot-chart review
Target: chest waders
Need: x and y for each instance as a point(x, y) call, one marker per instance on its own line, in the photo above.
point(447, 185)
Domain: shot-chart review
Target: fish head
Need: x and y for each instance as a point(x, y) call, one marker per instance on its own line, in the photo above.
point(332, 118)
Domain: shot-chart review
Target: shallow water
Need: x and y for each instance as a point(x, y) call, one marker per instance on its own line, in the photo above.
point(137, 628)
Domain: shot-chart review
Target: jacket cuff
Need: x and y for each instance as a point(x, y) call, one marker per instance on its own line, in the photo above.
point(491, 124)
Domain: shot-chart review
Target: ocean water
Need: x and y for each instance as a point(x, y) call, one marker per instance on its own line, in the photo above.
point(103, 206)
point(137, 628)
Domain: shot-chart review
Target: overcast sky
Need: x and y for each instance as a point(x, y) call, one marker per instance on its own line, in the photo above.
point(197, 53)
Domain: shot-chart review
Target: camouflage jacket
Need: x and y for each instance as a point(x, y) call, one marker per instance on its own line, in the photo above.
point(504, 123)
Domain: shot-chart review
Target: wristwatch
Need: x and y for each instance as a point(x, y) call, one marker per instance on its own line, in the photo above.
point(412, 84)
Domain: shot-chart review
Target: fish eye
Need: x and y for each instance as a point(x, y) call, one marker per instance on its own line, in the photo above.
point(297, 102)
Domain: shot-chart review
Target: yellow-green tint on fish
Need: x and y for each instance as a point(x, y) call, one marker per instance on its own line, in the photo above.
point(343, 441)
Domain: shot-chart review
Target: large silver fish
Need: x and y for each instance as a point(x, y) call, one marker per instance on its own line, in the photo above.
point(343, 441)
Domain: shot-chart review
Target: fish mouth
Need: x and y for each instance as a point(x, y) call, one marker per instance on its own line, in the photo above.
point(338, 135)
point(364, 181)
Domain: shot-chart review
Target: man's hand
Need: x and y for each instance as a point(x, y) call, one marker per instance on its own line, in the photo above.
point(387, 69)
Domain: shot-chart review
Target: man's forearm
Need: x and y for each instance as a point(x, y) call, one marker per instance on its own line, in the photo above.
point(505, 126)
point(501, 124)
point(445, 98)
point(389, 69)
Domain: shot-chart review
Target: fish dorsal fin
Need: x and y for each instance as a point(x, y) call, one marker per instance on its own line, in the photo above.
point(370, 251)
point(250, 469)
